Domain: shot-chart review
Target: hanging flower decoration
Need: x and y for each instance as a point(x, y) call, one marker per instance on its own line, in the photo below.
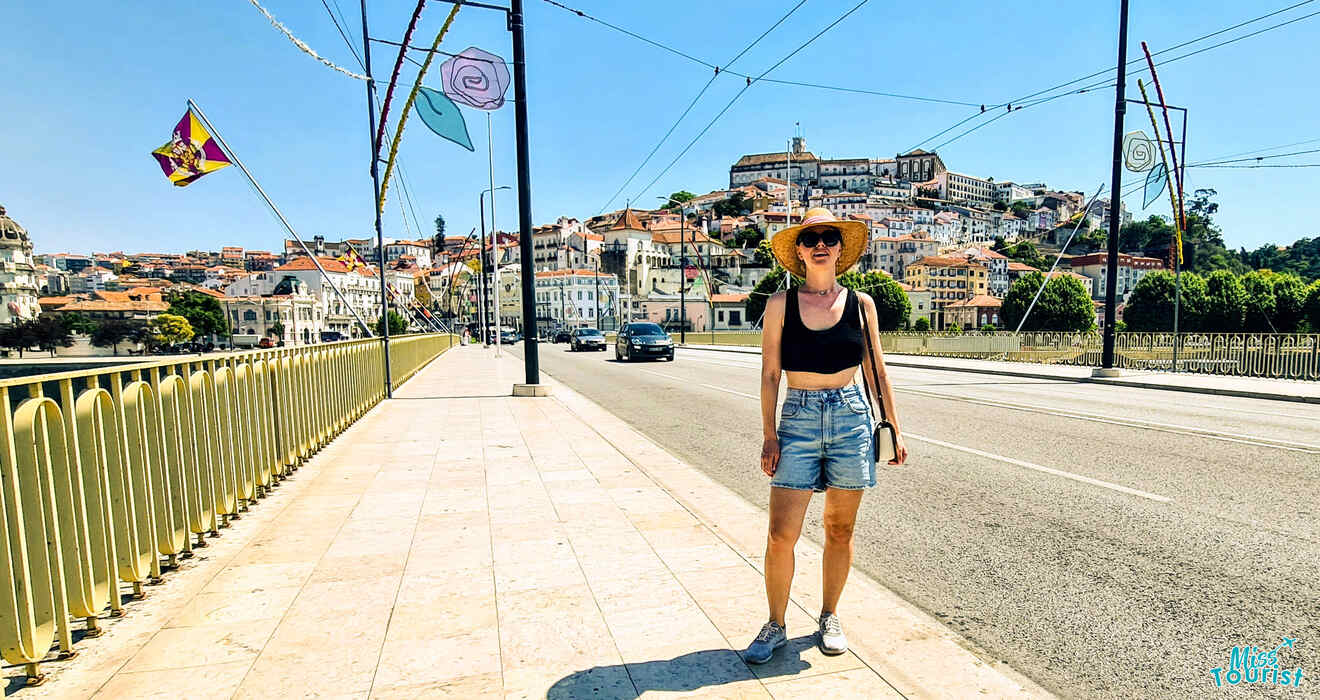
point(476, 78)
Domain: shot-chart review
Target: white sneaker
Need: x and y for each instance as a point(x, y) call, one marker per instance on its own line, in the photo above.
point(832, 641)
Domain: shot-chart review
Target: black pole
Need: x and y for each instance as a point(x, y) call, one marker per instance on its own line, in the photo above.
point(1115, 190)
point(484, 317)
point(682, 277)
point(596, 269)
point(531, 358)
point(375, 197)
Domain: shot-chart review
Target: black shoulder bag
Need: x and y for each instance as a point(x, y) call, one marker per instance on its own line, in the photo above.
point(885, 439)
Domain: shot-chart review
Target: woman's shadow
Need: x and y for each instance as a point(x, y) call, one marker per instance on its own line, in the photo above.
point(688, 672)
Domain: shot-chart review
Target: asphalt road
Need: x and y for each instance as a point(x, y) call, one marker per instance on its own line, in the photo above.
point(1107, 542)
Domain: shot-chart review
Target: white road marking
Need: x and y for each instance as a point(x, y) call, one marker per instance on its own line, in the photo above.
point(1211, 433)
point(1047, 470)
point(970, 450)
point(708, 386)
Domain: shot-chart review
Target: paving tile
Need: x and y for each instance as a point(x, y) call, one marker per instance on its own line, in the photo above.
point(438, 658)
point(214, 608)
point(858, 683)
point(255, 577)
point(707, 670)
point(607, 682)
point(486, 685)
point(203, 645)
point(216, 681)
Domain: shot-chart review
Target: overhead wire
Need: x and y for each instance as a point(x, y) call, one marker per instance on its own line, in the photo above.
point(1011, 104)
point(745, 88)
point(692, 104)
point(1265, 150)
point(1205, 163)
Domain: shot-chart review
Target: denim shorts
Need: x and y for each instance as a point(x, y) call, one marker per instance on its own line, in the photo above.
point(825, 440)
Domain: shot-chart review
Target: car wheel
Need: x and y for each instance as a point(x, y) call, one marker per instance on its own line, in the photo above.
point(671, 357)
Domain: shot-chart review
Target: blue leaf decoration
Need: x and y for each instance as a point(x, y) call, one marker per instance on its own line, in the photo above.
point(443, 117)
point(1156, 180)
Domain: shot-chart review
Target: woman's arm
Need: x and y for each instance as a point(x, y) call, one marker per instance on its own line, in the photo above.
point(875, 365)
point(772, 331)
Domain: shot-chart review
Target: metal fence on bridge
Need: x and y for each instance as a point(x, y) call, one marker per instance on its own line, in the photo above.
point(1271, 355)
point(106, 471)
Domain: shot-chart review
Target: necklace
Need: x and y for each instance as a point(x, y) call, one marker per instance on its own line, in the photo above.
point(819, 294)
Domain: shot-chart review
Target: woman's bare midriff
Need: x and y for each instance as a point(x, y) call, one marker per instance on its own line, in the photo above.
point(815, 381)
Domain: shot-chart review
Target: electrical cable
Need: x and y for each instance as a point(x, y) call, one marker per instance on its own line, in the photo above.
point(1263, 150)
point(745, 88)
point(692, 104)
point(1206, 163)
point(1140, 60)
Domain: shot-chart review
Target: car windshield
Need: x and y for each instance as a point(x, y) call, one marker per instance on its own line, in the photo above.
point(646, 329)
point(587, 331)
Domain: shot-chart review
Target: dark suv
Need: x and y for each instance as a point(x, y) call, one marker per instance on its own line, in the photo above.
point(587, 339)
point(640, 340)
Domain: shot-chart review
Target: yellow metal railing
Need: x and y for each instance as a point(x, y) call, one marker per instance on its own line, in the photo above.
point(105, 472)
point(1270, 355)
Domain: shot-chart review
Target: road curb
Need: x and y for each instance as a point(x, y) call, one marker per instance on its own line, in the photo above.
point(1136, 384)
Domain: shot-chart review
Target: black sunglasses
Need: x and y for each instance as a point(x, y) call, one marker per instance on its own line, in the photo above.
point(830, 236)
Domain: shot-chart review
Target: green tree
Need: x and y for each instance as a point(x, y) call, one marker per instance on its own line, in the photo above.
point(988, 328)
point(679, 197)
point(78, 323)
point(203, 312)
point(1289, 302)
point(1225, 303)
point(49, 333)
point(768, 285)
point(110, 333)
point(892, 306)
point(397, 324)
point(18, 337)
point(922, 325)
point(765, 254)
point(1064, 305)
point(169, 329)
point(1150, 306)
point(955, 329)
point(1311, 307)
point(747, 237)
point(1259, 286)
point(735, 205)
point(276, 330)
point(1021, 209)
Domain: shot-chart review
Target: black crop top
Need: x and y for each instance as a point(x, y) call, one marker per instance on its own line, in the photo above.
point(825, 351)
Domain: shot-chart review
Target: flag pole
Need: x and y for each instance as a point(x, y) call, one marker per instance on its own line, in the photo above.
point(234, 157)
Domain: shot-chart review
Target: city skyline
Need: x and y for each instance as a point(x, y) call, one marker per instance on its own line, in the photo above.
point(599, 103)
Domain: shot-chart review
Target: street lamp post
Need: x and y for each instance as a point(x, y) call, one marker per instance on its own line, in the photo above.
point(482, 297)
point(682, 270)
point(596, 277)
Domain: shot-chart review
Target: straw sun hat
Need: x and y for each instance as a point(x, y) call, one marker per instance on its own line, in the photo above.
point(855, 234)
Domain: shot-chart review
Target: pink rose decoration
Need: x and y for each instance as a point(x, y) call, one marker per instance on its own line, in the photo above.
point(476, 78)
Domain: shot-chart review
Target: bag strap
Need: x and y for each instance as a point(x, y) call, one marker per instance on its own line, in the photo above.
point(866, 333)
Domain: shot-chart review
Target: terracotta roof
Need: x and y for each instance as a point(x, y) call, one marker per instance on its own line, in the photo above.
point(944, 261)
point(1015, 266)
point(303, 262)
point(102, 305)
point(981, 300)
point(763, 158)
point(728, 298)
point(905, 286)
point(627, 221)
point(688, 236)
point(49, 303)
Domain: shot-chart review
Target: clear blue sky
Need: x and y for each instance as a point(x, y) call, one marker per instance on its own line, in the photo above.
point(91, 88)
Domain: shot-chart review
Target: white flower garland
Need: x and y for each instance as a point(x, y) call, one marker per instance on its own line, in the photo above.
point(302, 45)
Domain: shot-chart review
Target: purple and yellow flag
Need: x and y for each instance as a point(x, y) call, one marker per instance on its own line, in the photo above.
point(190, 153)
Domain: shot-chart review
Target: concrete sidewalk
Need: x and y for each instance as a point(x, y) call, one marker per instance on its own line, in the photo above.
point(1246, 387)
point(458, 542)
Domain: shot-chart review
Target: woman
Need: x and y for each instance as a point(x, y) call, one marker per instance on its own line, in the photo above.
point(823, 443)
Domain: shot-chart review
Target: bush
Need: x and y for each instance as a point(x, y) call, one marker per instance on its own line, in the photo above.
point(1065, 305)
point(989, 328)
point(922, 325)
point(955, 328)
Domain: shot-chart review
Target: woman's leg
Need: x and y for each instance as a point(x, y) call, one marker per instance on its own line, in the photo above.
point(840, 516)
point(787, 509)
